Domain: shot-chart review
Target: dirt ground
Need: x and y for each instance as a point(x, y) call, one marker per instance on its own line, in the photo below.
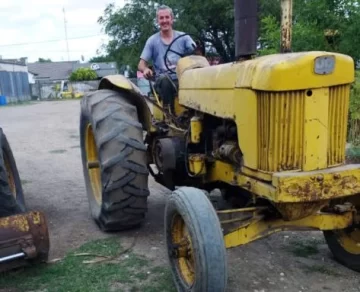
point(44, 137)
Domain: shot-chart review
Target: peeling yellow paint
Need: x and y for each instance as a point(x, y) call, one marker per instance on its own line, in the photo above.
point(18, 222)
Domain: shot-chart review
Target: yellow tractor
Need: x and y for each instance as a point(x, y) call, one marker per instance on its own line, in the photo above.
point(254, 147)
point(24, 236)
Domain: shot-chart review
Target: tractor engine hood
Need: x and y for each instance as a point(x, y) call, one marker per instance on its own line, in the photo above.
point(278, 72)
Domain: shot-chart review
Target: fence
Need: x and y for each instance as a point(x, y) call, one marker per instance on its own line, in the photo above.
point(66, 89)
point(61, 89)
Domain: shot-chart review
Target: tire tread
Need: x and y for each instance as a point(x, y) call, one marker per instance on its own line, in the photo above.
point(122, 155)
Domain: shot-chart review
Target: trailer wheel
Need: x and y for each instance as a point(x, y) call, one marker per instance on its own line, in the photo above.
point(195, 244)
point(114, 160)
point(11, 193)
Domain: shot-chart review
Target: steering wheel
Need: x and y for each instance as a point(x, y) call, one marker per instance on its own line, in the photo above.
point(177, 53)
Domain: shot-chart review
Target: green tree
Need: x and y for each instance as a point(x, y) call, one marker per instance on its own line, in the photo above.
point(83, 74)
point(43, 60)
point(102, 58)
point(128, 29)
point(330, 25)
point(130, 26)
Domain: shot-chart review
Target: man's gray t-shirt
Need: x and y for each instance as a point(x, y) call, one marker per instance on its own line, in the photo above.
point(155, 50)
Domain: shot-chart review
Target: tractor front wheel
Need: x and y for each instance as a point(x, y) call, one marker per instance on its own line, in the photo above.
point(195, 244)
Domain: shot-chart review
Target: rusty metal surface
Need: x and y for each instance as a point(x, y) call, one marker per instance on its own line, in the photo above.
point(25, 233)
point(246, 28)
point(286, 25)
point(229, 151)
point(295, 211)
point(323, 184)
point(256, 227)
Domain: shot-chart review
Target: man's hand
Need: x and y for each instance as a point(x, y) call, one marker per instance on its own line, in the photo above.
point(147, 73)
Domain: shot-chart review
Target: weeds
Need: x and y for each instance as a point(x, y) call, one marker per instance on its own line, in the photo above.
point(129, 272)
point(320, 269)
point(304, 249)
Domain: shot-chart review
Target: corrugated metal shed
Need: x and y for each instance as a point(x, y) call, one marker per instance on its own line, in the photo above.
point(14, 82)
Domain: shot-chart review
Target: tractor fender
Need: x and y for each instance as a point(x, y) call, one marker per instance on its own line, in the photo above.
point(134, 96)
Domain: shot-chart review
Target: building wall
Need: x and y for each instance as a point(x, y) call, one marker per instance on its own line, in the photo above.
point(31, 78)
point(14, 82)
point(13, 68)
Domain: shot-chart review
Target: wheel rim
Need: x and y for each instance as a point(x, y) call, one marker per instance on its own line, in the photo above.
point(10, 175)
point(158, 156)
point(92, 163)
point(184, 255)
point(350, 240)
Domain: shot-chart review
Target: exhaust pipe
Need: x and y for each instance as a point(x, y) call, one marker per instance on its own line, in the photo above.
point(286, 25)
point(246, 28)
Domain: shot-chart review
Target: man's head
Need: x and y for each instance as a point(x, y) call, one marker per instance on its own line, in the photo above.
point(165, 18)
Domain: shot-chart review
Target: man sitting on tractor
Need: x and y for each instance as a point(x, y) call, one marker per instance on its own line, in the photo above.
point(166, 82)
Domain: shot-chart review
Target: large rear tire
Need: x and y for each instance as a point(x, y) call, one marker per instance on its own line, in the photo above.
point(11, 193)
point(114, 160)
point(195, 243)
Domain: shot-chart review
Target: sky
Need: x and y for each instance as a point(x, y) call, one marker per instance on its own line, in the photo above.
point(35, 29)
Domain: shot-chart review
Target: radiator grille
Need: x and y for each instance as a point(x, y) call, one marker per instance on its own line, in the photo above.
point(338, 109)
point(280, 130)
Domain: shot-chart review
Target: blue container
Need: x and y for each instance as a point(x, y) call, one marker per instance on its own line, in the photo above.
point(3, 100)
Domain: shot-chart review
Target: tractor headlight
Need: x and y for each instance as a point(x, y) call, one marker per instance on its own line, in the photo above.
point(324, 65)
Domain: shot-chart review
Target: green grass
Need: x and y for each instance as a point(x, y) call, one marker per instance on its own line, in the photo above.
point(304, 248)
point(320, 269)
point(127, 272)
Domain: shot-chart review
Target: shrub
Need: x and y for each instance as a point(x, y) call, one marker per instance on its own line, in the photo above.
point(83, 74)
point(354, 112)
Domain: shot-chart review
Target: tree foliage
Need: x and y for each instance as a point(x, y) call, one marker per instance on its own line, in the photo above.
point(130, 26)
point(83, 74)
point(43, 60)
point(101, 59)
point(330, 25)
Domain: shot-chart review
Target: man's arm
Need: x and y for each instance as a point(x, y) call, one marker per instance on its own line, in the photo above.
point(146, 55)
point(142, 65)
point(190, 45)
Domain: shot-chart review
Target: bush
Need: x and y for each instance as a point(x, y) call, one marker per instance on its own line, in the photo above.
point(354, 112)
point(83, 74)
